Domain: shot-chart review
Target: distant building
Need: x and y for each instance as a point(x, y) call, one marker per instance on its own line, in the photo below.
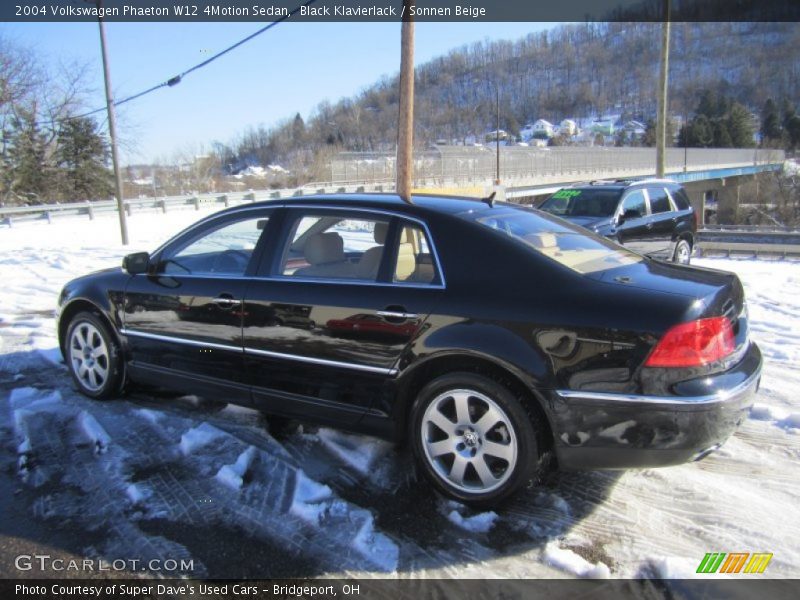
point(568, 127)
point(634, 130)
point(542, 129)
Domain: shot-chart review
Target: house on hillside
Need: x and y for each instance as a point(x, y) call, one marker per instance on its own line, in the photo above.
point(542, 129)
point(568, 127)
point(634, 130)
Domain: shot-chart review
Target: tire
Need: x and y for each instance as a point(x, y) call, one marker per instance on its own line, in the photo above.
point(93, 357)
point(467, 456)
point(683, 252)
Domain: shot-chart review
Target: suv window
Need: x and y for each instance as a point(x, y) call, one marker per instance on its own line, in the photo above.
point(225, 250)
point(659, 201)
point(635, 201)
point(582, 202)
point(331, 246)
point(680, 198)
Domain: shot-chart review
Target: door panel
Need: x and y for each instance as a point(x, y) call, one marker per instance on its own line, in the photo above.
point(664, 219)
point(635, 232)
point(327, 337)
point(183, 320)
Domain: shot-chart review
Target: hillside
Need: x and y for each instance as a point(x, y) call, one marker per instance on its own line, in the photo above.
point(565, 72)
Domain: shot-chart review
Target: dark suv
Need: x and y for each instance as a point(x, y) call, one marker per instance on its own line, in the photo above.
point(652, 217)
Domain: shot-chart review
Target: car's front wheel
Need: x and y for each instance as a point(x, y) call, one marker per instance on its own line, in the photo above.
point(683, 252)
point(93, 356)
point(474, 440)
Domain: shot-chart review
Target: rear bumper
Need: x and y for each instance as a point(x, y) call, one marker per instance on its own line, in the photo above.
point(596, 430)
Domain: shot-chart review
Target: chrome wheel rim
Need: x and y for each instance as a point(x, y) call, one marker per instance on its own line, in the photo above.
point(89, 356)
point(468, 440)
point(683, 253)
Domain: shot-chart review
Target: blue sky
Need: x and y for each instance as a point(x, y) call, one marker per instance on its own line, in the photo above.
point(289, 69)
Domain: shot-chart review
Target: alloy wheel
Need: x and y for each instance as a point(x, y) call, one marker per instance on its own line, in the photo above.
point(469, 441)
point(89, 356)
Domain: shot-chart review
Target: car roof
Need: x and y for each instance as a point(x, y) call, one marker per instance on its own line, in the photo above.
point(620, 184)
point(450, 205)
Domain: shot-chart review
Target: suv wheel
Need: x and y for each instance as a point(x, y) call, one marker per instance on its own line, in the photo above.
point(473, 439)
point(683, 253)
point(93, 357)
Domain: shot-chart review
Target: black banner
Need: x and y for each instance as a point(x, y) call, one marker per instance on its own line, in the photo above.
point(392, 10)
point(383, 589)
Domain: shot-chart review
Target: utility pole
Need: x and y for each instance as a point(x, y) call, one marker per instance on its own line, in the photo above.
point(497, 136)
point(112, 133)
point(661, 122)
point(405, 122)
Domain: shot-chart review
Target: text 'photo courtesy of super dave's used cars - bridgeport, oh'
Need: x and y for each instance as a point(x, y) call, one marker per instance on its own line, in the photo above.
point(499, 341)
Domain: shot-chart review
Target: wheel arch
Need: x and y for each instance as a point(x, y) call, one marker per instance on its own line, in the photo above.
point(416, 377)
point(78, 305)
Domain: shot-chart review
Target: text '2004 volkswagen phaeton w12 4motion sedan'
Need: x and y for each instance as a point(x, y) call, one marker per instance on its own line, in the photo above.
point(498, 340)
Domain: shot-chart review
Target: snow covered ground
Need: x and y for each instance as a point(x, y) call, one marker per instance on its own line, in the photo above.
point(152, 476)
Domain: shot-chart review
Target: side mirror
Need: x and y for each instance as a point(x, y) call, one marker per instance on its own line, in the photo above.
point(628, 215)
point(136, 263)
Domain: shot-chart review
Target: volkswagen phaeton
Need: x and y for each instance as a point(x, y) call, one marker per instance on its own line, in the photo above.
point(498, 340)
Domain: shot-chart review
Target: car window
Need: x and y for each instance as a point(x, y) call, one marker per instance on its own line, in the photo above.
point(331, 246)
point(659, 201)
point(225, 250)
point(635, 201)
point(579, 251)
point(582, 202)
point(413, 261)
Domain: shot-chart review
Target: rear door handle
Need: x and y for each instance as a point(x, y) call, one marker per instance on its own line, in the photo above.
point(226, 301)
point(399, 313)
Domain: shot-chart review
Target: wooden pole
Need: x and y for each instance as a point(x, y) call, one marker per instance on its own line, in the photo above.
point(661, 124)
point(112, 133)
point(405, 122)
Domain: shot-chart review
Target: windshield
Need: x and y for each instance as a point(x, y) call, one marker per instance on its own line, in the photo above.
point(568, 245)
point(582, 202)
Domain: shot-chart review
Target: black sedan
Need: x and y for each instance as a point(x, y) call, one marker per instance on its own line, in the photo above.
point(518, 340)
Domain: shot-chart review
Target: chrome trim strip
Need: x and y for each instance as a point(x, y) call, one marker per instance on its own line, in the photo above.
point(257, 352)
point(167, 338)
point(720, 396)
point(321, 361)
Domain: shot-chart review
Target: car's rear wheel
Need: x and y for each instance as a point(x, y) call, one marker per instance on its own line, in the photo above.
point(93, 356)
point(683, 252)
point(473, 439)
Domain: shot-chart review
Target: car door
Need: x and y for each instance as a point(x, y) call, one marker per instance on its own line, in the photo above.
point(330, 315)
point(663, 216)
point(634, 231)
point(183, 319)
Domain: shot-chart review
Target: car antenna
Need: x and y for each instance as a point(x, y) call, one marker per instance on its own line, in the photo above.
point(490, 198)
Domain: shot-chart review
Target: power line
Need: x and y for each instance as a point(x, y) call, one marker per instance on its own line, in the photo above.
point(173, 81)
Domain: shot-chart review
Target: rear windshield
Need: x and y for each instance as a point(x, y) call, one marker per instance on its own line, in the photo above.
point(582, 202)
point(569, 245)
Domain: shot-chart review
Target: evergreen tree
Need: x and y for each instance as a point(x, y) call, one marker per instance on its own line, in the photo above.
point(740, 127)
point(28, 155)
point(722, 137)
point(82, 155)
point(771, 130)
point(793, 132)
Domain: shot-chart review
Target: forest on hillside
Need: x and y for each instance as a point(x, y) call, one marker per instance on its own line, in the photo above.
point(572, 70)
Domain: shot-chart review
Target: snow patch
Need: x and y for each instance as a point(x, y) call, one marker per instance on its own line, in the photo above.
point(308, 500)
point(480, 523)
point(358, 451)
point(149, 415)
point(232, 476)
point(135, 494)
point(376, 547)
point(93, 432)
point(199, 436)
point(567, 560)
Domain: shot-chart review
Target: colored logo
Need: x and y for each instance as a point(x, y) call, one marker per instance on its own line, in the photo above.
point(734, 562)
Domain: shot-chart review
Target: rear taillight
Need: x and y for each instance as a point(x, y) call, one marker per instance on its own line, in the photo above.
point(694, 344)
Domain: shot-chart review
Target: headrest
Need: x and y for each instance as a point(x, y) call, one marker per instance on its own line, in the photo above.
point(542, 240)
point(381, 229)
point(323, 248)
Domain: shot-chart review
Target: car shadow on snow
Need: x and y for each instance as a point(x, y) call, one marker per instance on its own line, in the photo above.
point(156, 477)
